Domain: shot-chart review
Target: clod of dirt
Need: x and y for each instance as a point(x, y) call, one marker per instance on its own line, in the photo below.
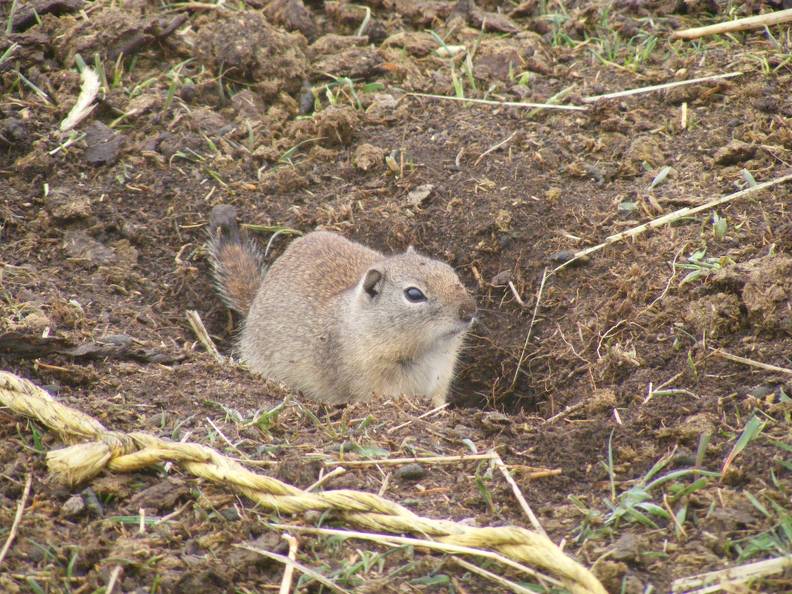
point(501, 279)
point(415, 43)
point(419, 195)
point(734, 152)
point(73, 506)
point(692, 428)
point(336, 125)
point(717, 315)
point(111, 32)
point(13, 132)
point(384, 110)
point(31, 12)
point(524, 9)
point(496, 59)
point(283, 179)
point(768, 295)
point(611, 574)
point(292, 15)
point(645, 149)
point(421, 13)
point(248, 106)
point(344, 14)
point(85, 249)
point(601, 400)
point(628, 547)
point(356, 62)
point(203, 119)
point(367, 156)
point(333, 43)
point(163, 495)
point(247, 46)
point(65, 204)
point(490, 22)
point(102, 144)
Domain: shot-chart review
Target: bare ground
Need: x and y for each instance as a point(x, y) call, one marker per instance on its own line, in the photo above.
point(102, 236)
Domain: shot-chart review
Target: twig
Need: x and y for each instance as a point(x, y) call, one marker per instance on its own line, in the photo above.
point(297, 565)
point(426, 414)
point(517, 297)
point(567, 411)
point(198, 327)
point(288, 571)
point(670, 218)
point(494, 148)
point(501, 103)
point(323, 479)
point(715, 581)
point(752, 22)
point(498, 461)
point(751, 362)
point(113, 579)
point(17, 518)
point(391, 540)
point(224, 438)
point(530, 326)
point(89, 88)
point(425, 460)
point(513, 586)
point(649, 89)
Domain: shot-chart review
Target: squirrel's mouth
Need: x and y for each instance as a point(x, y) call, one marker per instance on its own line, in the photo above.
point(460, 328)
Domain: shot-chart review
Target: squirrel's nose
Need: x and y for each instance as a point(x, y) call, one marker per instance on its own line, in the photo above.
point(467, 310)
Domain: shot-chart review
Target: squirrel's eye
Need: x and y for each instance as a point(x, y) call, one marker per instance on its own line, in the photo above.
point(414, 294)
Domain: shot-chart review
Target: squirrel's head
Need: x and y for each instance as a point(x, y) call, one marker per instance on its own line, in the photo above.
point(416, 298)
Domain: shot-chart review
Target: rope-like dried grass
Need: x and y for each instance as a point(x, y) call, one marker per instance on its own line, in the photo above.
point(134, 451)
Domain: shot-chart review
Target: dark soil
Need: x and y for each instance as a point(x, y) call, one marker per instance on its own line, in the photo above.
point(102, 253)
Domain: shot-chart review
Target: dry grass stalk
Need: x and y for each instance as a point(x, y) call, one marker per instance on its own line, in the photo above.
point(758, 364)
point(288, 572)
point(121, 452)
point(423, 416)
point(199, 329)
point(85, 100)
point(564, 413)
point(296, 565)
point(17, 518)
point(424, 460)
point(501, 581)
point(671, 217)
point(324, 478)
point(390, 540)
point(752, 22)
point(727, 579)
point(500, 103)
point(530, 327)
point(114, 575)
point(661, 87)
point(494, 147)
point(517, 493)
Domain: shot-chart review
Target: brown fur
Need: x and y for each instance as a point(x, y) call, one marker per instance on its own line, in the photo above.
point(237, 262)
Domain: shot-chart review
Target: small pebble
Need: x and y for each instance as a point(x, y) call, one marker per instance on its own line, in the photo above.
point(73, 506)
point(411, 472)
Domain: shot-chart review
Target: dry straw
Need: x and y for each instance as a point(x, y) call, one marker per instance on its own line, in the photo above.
point(127, 452)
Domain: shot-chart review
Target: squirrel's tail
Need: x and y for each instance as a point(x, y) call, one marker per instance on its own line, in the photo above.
point(237, 262)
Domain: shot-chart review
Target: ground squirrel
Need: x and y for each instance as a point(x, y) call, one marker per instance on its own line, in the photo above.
point(339, 321)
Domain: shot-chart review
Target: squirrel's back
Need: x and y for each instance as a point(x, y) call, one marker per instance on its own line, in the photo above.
point(340, 321)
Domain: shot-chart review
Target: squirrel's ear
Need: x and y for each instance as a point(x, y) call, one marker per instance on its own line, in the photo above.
point(410, 249)
point(373, 281)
